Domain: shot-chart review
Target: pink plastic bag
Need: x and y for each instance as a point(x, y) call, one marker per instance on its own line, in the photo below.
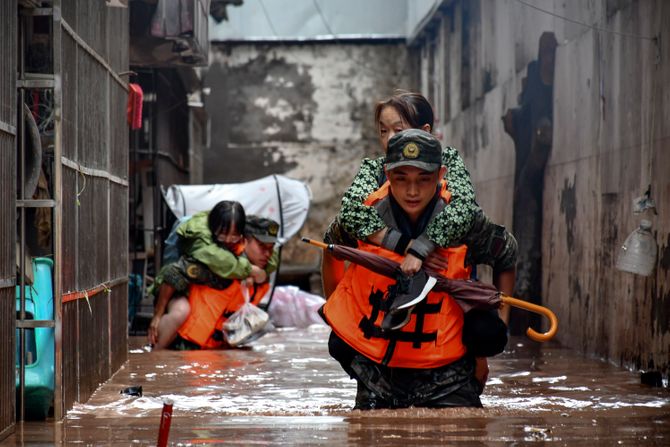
point(292, 307)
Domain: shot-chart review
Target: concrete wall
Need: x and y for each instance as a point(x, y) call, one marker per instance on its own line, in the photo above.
point(612, 125)
point(611, 140)
point(302, 110)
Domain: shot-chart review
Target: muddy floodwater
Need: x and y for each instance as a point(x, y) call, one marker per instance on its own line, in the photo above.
point(286, 390)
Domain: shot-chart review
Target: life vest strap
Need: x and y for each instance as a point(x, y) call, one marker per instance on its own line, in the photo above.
point(416, 338)
point(381, 303)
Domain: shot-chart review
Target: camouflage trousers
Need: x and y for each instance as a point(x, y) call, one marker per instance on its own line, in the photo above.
point(379, 386)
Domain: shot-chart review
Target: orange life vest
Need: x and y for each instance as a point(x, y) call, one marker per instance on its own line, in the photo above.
point(431, 339)
point(210, 308)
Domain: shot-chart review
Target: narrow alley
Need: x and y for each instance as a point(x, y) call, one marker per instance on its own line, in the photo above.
point(286, 390)
point(465, 172)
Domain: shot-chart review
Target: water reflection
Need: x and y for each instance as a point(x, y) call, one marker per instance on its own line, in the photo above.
point(286, 390)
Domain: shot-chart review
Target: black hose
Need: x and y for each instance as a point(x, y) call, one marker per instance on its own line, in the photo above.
point(281, 234)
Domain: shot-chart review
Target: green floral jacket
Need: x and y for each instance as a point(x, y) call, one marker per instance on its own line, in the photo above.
point(447, 229)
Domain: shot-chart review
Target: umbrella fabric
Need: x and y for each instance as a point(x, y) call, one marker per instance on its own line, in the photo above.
point(371, 261)
point(468, 294)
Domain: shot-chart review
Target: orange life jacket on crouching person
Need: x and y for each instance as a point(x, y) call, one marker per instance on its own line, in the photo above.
point(431, 339)
point(210, 308)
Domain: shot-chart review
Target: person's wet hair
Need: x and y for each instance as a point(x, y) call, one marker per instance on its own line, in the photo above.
point(412, 107)
point(224, 215)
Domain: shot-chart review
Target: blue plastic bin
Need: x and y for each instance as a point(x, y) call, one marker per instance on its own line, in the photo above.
point(39, 371)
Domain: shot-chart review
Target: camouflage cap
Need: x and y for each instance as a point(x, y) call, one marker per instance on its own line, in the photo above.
point(414, 147)
point(263, 229)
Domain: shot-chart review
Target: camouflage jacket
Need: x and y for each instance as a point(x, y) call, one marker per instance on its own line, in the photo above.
point(196, 242)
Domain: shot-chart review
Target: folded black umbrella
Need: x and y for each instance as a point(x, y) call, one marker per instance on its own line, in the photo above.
point(468, 294)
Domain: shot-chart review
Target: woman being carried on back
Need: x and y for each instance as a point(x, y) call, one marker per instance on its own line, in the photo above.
point(460, 222)
point(211, 244)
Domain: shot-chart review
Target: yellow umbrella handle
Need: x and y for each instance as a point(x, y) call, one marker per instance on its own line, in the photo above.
point(316, 243)
point(532, 334)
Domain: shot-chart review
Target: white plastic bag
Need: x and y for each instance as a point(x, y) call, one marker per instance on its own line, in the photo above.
point(246, 324)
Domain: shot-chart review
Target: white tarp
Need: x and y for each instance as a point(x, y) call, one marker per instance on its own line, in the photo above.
point(280, 198)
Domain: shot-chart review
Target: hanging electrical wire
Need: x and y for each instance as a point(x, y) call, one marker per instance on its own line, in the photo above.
point(267, 17)
point(577, 22)
point(362, 68)
point(323, 18)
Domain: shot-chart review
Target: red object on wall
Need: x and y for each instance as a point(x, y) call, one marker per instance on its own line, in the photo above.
point(135, 96)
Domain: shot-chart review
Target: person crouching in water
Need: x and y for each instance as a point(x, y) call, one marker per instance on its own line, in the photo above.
point(210, 244)
point(413, 356)
point(211, 307)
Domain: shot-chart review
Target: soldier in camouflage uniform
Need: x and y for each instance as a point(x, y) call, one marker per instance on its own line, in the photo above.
point(211, 247)
point(461, 222)
point(413, 156)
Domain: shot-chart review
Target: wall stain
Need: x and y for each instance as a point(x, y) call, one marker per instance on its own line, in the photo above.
point(252, 103)
point(609, 230)
point(587, 303)
point(264, 94)
point(303, 110)
point(660, 309)
point(575, 289)
point(569, 210)
point(476, 132)
point(488, 83)
point(483, 134)
point(665, 255)
point(576, 312)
